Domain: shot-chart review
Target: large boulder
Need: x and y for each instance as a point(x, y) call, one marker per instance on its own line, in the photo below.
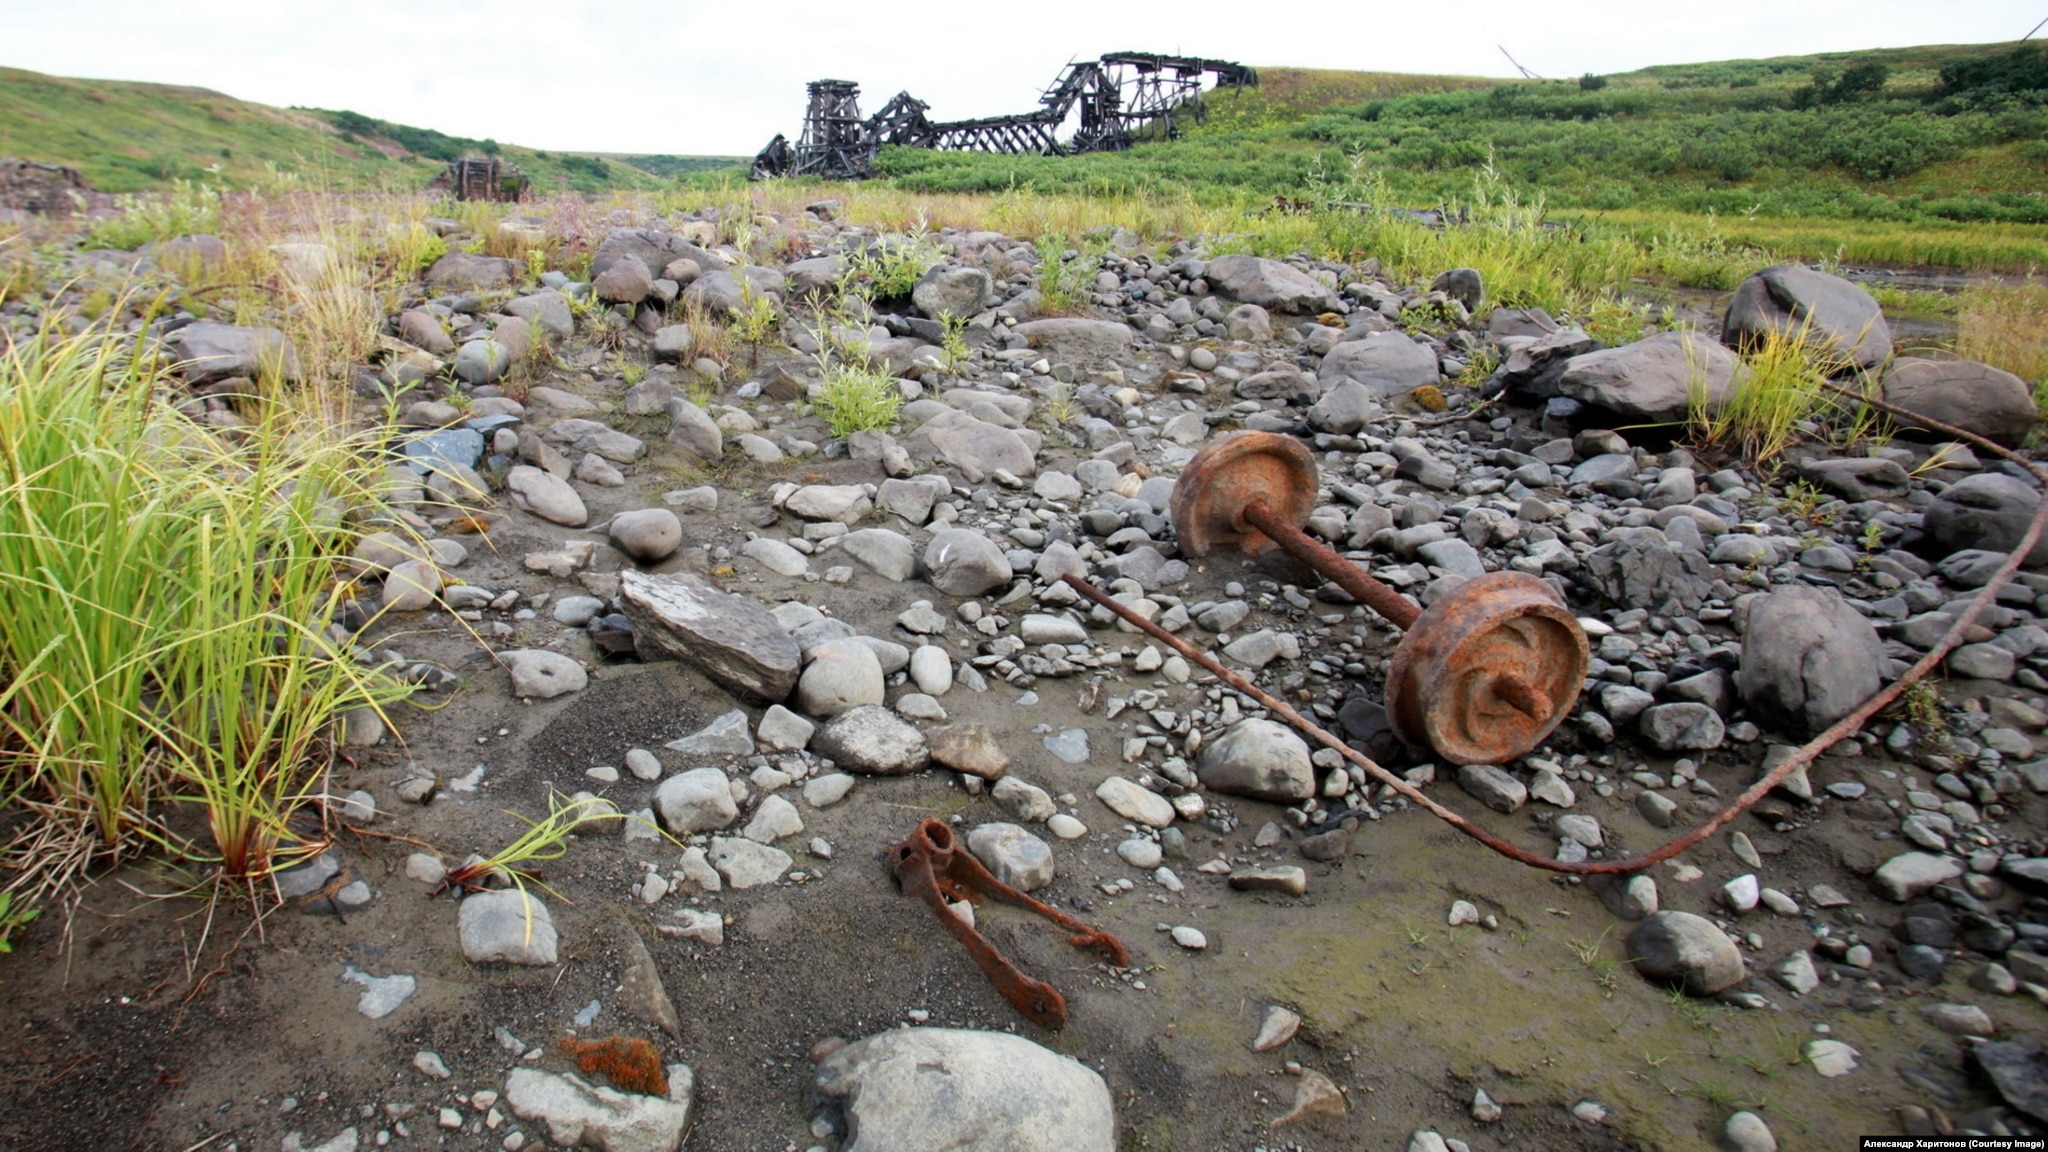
point(209, 351)
point(1808, 658)
point(1259, 759)
point(471, 272)
point(1655, 380)
point(1387, 363)
point(1269, 284)
point(843, 674)
point(1991, 402)
point(1013, 855)
point(731, 638)
point(546, 495)
point(699, 800)
point(547, 310)
point(953, 290)
point(1534, 368)
point(932, 1088)
point(1791, 300)
point(1988, 511)
point(721, 294)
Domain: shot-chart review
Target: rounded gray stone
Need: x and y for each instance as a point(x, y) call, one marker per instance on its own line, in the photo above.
point(1013, 855)
point(1259, 759)
point(649, 535)
point(1686, 951)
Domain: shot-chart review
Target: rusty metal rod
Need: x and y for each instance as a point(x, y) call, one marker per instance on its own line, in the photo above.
point(1755, 792)
point(1398, 609)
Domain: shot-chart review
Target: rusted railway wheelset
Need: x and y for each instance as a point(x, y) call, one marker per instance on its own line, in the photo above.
point(1482, 676)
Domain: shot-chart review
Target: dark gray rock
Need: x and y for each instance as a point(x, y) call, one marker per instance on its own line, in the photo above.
point(732, 638)
point(1654, 380)
point(1988, 511)
point(1533, 370)
point(1993, 403)
point(209, 351)
point(1641, 569)
point(2018, 1071)
point(1861, 478)
point(1792, 299)
point(1808, 658)
point(1464, 285)
point(1269, 284)
point(1386, 363)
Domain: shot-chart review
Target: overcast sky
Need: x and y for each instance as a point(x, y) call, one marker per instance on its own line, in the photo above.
point(685, 76)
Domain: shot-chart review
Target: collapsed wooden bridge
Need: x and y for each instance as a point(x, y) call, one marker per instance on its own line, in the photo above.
point(1122, 98)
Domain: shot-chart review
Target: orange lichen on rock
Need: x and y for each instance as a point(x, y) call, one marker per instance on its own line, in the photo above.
point(629, 1063)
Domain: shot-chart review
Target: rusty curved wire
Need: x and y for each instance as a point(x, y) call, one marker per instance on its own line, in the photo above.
point(1807, 753)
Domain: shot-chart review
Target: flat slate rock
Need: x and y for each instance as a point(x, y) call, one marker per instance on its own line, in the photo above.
point(732, 638)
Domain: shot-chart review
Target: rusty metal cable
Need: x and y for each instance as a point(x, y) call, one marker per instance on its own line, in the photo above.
point(1807, 753)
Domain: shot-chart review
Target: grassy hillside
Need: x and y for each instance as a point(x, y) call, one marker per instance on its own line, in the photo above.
point(1930, 134)
point(129, 137)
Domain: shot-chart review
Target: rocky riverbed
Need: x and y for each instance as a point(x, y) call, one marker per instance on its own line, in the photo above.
point(652, 576)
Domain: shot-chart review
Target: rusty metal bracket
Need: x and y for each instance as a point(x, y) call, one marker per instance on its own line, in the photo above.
point(1842, 729)
point(931, 865)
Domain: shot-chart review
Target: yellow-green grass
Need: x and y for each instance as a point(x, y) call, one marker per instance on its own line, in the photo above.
point(164, 593)
point(1934, 244)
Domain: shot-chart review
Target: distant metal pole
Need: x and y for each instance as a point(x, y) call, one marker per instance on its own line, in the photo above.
point(2035, 28)
point(1528, 75)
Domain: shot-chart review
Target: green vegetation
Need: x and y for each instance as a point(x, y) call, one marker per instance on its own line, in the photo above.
point(857, 399)
point(2006, 325)
point(669, 167)
point(163, 599)
point(544, 839)
point(1899, 156)
point(1785, 390)
point(1066, 276)
point(126, 136)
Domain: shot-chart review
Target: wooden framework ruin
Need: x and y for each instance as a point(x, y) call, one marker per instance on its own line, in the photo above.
point(1122, 98)
point(482, 178)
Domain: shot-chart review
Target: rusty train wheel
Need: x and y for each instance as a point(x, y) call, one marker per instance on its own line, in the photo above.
point(1223, 479)
point(1488, 671)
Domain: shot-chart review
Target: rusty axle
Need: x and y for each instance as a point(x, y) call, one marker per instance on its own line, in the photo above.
point(1806, 755)
point(1483, 675)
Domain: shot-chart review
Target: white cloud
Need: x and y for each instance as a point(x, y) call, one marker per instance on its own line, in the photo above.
point(720, 78)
